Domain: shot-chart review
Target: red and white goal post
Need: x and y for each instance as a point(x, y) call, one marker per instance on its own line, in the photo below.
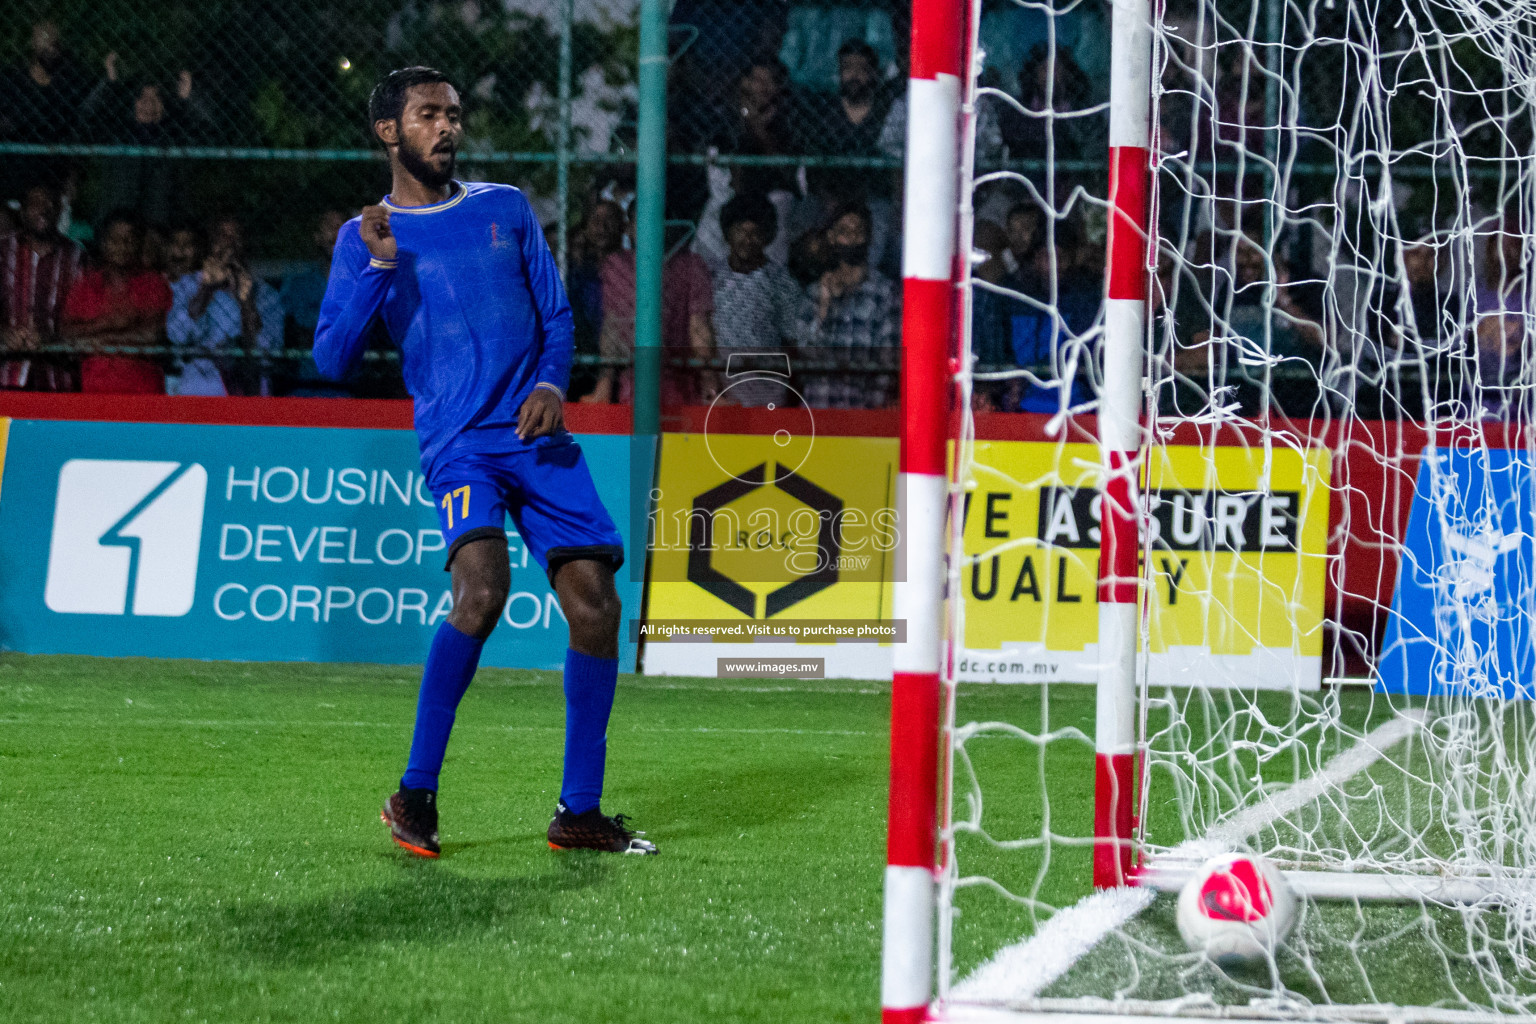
point(1307, 162)
point(931, 294)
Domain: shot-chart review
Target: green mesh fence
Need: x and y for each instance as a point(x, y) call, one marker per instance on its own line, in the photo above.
point(194, 113)
point(182, 109)
point(189, 112)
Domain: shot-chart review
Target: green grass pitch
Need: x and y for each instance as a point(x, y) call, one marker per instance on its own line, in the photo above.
point(191, 841)
point(188, 841)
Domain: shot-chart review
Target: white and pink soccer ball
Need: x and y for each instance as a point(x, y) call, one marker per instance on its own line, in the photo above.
point(1237, 909)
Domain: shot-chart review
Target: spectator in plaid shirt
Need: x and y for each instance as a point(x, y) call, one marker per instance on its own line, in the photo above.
point(38, 266)
point(851, 314)
point(755, 298)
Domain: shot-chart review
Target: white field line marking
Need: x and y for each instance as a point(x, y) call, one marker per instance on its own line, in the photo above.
point(648, 683)
point(259, 723)
point(766, 732)
point(859, 692)
point(1231, 833)
point(552, 678)
point(201, 723)
point(1019, 972)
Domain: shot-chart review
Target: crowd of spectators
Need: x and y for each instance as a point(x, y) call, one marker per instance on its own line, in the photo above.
point(179, 310)
point(786, 249)
point(835, 315)
point(50, 95)
point(151, 310)
point(799, 256)
point(779, 259)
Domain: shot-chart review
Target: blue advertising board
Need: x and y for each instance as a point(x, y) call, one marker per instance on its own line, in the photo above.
point(1464, 610)
point(253, 543)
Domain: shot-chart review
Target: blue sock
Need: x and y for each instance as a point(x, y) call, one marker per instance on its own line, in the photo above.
point(450, 666)
point(589, 686)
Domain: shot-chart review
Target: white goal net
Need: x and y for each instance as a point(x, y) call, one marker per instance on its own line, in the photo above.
point(1336, 492)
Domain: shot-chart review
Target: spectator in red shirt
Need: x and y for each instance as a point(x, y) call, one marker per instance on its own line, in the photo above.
point(121, 304)
point(38, 265)
point(687, 328)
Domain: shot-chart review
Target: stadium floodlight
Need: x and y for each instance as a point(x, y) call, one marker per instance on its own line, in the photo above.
point(1289, 454)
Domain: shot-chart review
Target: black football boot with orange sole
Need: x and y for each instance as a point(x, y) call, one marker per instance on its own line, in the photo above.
point(411, 815)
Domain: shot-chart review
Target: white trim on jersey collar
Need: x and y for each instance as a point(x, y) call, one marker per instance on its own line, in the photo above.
point(451, 201)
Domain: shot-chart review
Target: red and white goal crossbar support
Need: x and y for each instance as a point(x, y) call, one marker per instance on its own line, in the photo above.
point(930, 270)
point(931, 213)
point(1120, 404)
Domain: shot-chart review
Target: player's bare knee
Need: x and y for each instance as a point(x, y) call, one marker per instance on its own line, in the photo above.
point(600, 614)
point(593, 618)
point(481, 581)
point(477, 607)
point(592, 610)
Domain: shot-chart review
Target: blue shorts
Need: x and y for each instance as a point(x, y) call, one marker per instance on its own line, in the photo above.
point(546, 489)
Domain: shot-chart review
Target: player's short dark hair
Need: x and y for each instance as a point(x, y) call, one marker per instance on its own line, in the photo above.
point(387, 101)
point(858, 47)
point(750, 207)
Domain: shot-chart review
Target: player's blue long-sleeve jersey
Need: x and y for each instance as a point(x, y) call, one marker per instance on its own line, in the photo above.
point(475, 303)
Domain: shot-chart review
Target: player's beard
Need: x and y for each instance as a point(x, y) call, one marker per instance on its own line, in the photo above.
point(417, 166)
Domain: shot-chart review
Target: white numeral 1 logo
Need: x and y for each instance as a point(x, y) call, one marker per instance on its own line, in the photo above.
point(122, 527)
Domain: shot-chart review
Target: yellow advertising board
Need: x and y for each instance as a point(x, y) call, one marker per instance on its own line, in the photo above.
point(5, 430)
point(747, 532)
point(1238, 539)
point(756, 529)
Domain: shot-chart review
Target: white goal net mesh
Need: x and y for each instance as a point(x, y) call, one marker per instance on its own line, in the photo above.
point(1339, 507)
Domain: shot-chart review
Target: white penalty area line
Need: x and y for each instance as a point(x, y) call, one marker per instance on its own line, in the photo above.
point(1020, 972)
point(1345, 765)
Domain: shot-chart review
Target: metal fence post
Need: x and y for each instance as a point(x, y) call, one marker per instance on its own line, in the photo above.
point(650, 197)
point(563, 142)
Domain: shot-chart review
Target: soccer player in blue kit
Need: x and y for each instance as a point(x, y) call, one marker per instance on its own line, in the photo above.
point(464, 282)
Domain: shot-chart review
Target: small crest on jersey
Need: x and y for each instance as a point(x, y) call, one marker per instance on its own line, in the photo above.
point(497, 242)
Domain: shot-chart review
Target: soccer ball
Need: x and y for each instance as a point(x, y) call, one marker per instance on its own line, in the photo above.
point(1236, 909)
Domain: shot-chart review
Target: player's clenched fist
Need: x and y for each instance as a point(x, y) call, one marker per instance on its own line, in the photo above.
point(376, 234)
point(540, 415)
